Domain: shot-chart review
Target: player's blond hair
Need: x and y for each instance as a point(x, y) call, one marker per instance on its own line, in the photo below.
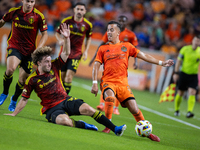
point(39, 53)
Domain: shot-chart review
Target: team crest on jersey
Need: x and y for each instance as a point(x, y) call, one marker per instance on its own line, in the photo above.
point(31, 20)
point(82, 28)
point(124, 49)
point(51, 72)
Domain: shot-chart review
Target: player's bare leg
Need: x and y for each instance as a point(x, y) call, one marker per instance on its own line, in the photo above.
point(68, 80)
point(116, 110)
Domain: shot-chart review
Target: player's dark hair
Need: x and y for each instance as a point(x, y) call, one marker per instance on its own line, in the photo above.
point(117, 23)
point(79, 3)
point(39, 53)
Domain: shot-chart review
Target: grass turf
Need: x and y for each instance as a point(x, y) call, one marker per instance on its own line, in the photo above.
point(30, 131)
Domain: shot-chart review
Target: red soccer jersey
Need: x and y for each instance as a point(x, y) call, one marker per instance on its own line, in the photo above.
point(125, 36)
point(24, 29)
point(115, 60)
point(78, 32)
point(48, 86)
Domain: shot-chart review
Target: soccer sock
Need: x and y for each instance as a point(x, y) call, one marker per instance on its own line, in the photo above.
point(116, 103)
point(100, 118)
point(67, 86)
point(6, 83)
point(109, 102)
point(18, 91)
point(191, 102)
point(139, 116)
point(178, 100)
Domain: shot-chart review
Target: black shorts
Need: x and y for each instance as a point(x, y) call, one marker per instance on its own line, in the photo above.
point(186, 81)
point(26, 61)
point(71, 64)
point(69, 106)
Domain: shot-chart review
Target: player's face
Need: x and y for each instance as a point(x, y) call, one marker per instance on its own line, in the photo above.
point(79, 11)
point(45, 64)
point(122, 21)
point(112, 32)
point(28, 5)
point(195, 43)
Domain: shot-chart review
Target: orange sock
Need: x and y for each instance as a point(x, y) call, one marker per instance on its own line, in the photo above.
point(109, 102)
point(139, 116)
point(116, 103)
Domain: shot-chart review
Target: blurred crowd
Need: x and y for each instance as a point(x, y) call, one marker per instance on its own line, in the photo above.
point(164, 25)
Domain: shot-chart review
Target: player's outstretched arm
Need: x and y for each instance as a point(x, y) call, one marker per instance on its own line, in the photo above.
point(20, 106)
point(2, 22)
point(95, 71)
point(65, 31)
point(59, 38)
point(150, 59)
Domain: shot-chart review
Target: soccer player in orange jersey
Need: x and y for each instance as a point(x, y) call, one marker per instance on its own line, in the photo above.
point(126, 35)
point(26, 22)
point(114, 83)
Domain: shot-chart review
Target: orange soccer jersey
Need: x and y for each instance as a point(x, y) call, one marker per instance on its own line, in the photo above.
point(125, 36)
point(115, 60)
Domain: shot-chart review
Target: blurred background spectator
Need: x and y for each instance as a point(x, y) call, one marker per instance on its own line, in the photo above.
point(164, 25)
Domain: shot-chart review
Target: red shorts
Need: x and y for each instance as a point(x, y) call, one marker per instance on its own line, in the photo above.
point(122, 92)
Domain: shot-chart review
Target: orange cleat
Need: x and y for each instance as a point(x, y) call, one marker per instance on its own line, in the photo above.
point(106, 130)
point(100, 107)
point(154, 138)
point(116, 111)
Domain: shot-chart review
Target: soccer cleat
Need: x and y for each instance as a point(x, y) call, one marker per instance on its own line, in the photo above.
point(189, 115)
point(12, 105)
point(100, 107)
point(119, 130)
point(90, 126)
point(116, 111)
point(177, 113)
point(154, 138)
point(3, 98)
point(106, 130)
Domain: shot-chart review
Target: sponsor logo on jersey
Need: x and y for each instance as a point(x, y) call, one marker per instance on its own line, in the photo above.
point(23, 26)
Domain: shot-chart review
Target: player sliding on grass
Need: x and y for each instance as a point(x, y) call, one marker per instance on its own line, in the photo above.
point(114, 83)
point(57, 105)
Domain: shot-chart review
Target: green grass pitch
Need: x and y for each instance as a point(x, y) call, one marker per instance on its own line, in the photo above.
point(30, 131)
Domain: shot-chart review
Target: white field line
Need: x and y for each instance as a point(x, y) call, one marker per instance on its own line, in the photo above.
point(145, 108)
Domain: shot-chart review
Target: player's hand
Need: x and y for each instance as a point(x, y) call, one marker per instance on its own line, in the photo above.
point(84, 56)
point(65, 31)
point(168, 63)
point(94, 89)
point(10, 114)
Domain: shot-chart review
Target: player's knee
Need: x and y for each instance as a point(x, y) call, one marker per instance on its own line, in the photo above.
point(9, 71)
point(110, 99)
point(85, 109)
point(63, 119)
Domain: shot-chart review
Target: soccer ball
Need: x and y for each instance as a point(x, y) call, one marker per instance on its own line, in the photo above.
point(143, 128)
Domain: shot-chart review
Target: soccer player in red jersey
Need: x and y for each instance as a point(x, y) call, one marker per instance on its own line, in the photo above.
point(56, 104)
point(114, 83)
point(126, 35)
point(80, 29)
point(26, 21)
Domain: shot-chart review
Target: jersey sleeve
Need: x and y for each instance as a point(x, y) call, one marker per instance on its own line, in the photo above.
point(134, 40)
point(89, 32)
point(105, 38)
point(133, 51)
point(8, 16)
point(58, 63)
point(42, 23)
point(28, 88)
point(99, 56)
